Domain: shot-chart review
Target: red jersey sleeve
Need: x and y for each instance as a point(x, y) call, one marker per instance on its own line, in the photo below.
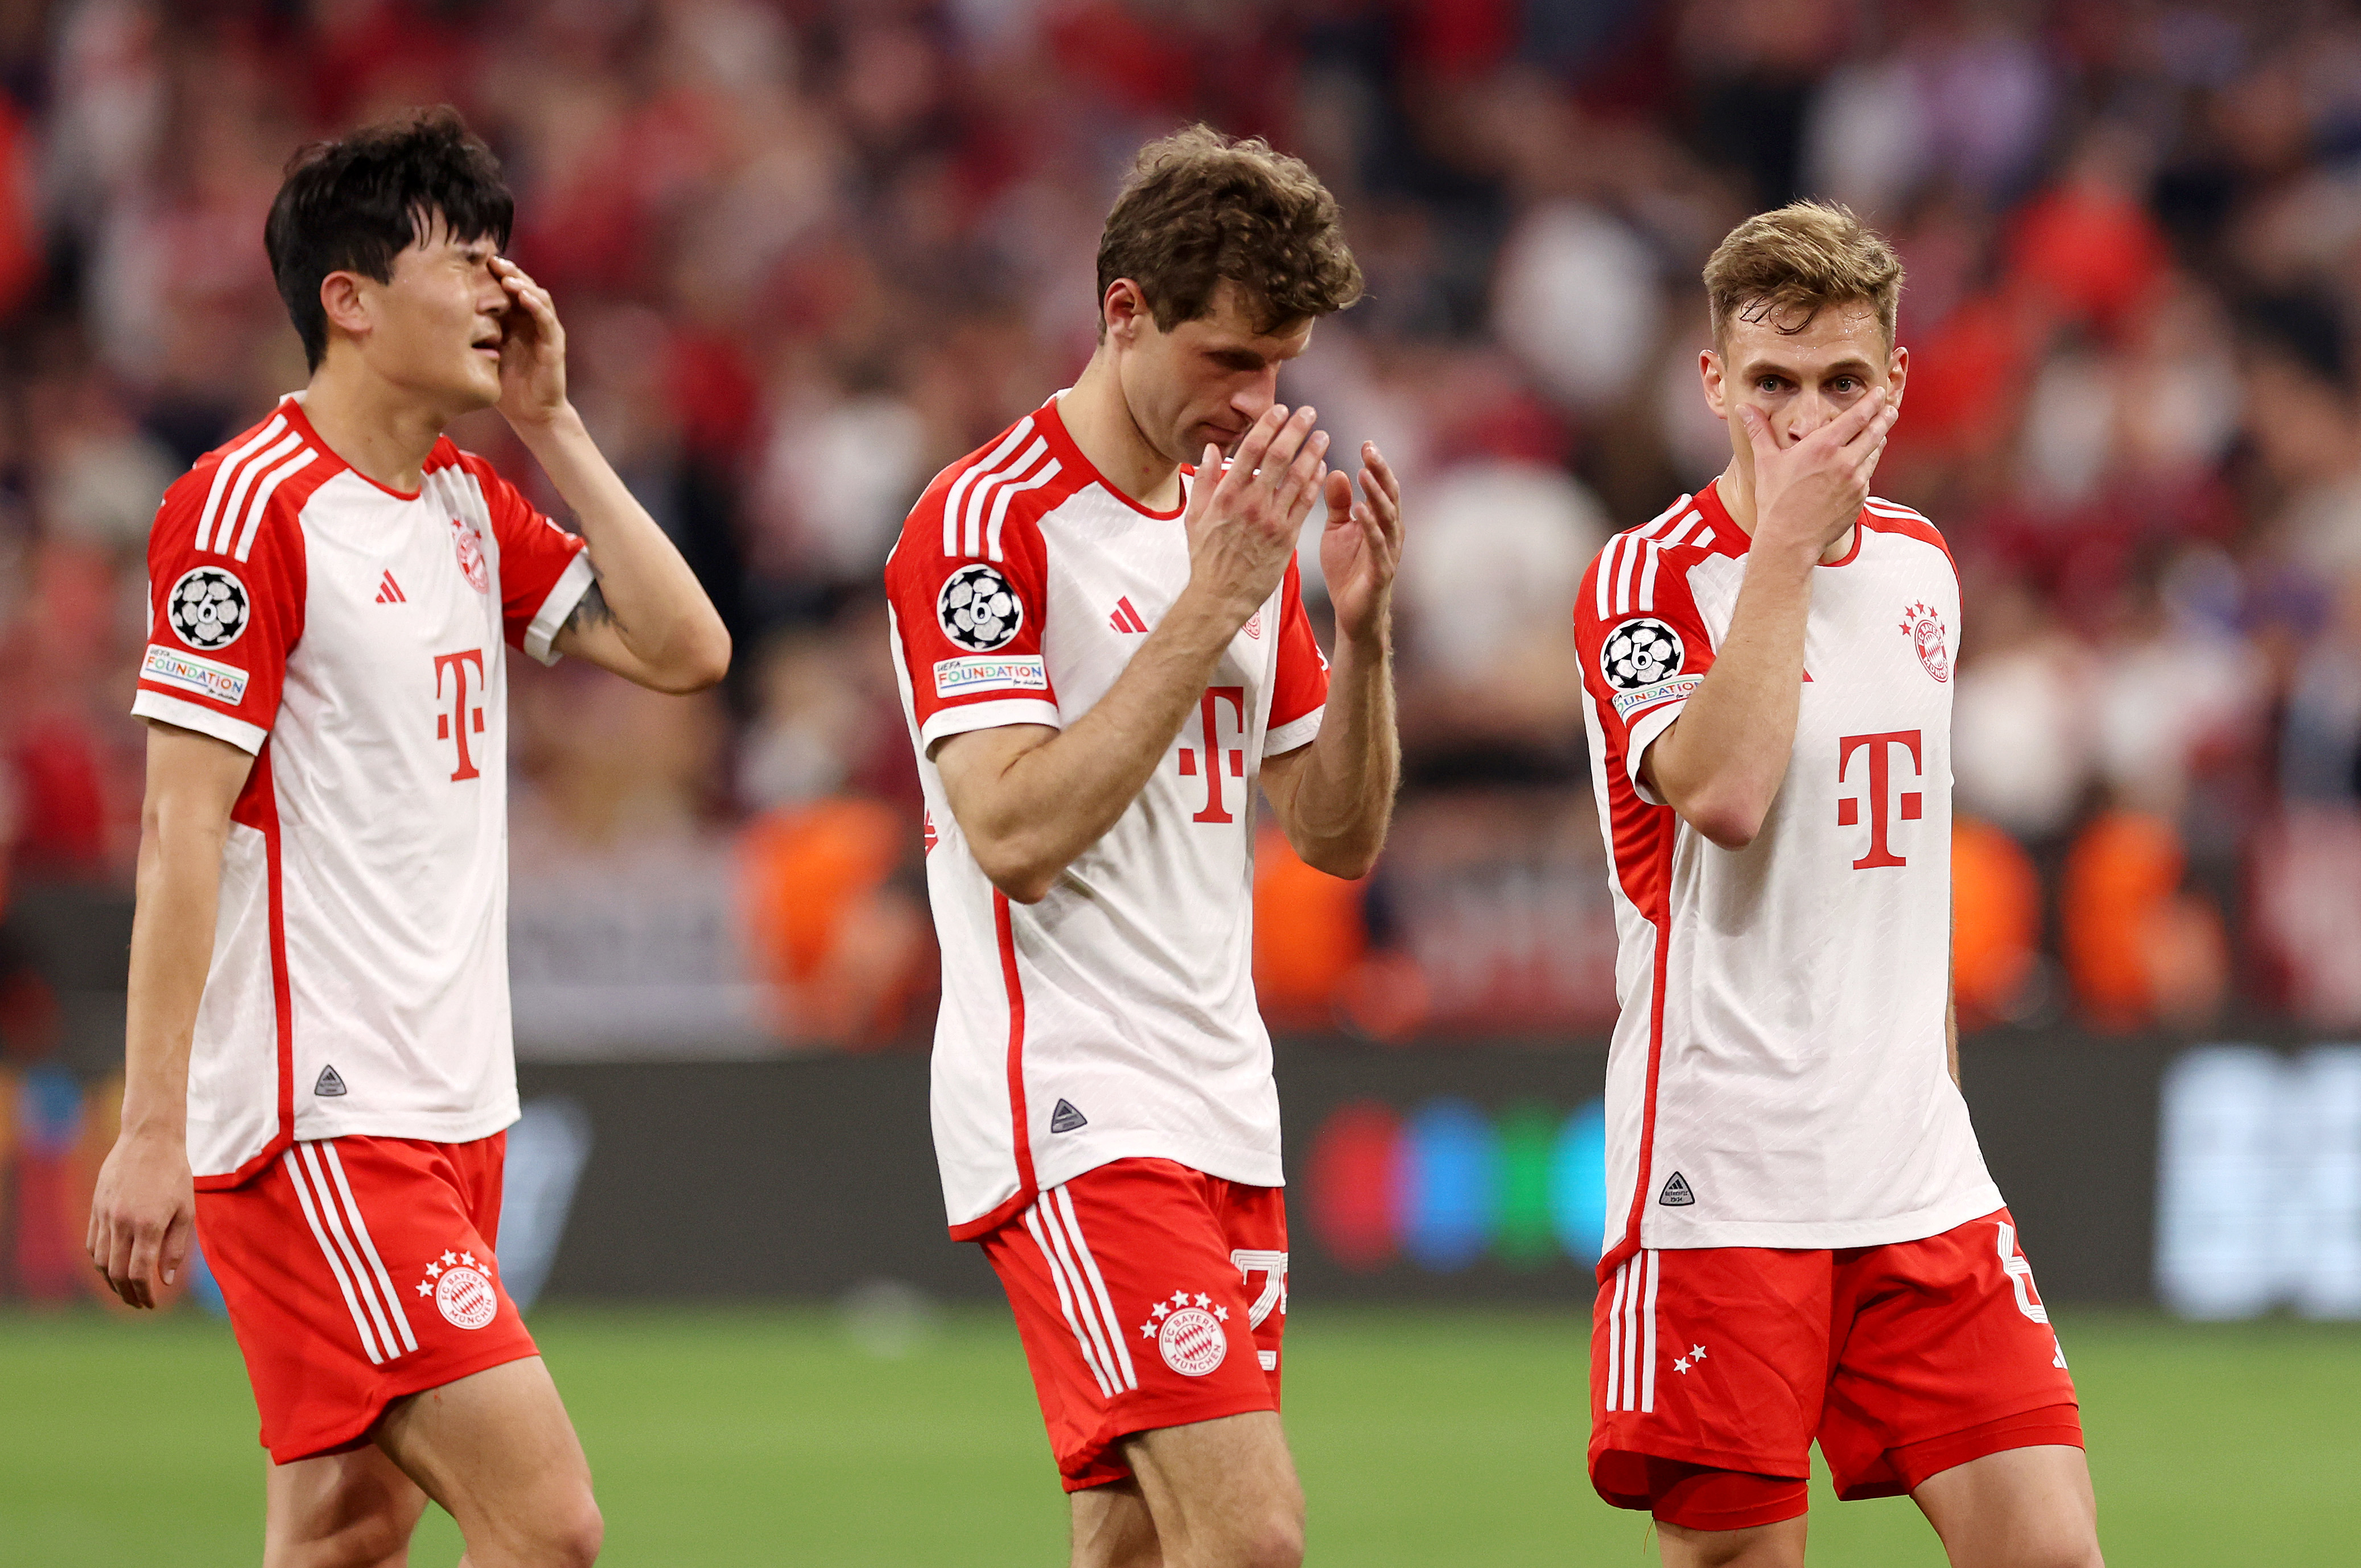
point(1299, 690)
point(221, 620)
point(967, 627)
point(544, 571)
point(1644, 646)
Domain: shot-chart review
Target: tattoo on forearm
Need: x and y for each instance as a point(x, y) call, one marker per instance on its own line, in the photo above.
point(590, 610)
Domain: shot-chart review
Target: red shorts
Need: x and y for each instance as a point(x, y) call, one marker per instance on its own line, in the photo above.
point(1147, 1295)
point(1713, 1369)
point(357, 1270)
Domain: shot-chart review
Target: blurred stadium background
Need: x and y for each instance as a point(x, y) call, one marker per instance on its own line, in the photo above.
point(810, 250)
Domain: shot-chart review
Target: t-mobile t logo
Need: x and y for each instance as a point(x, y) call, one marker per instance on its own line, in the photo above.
point(1911, 802)
point(464, 716)
point(1209, 711)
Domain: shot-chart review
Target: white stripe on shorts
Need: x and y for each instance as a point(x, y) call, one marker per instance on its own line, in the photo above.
point(1066, 1301)
point(335, 1262)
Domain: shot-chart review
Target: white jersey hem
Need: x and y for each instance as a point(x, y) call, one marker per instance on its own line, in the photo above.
point(994, 715)
point(1230, 1162)
point(1669, 1232)
point(246, 737)
point(1294, 734)
point(453, 1128)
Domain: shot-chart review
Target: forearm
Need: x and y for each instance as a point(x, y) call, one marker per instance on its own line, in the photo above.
point(660, 610)
point(1029, 817)
point(171, 951)
point(1343, 800)
point(1722, 762)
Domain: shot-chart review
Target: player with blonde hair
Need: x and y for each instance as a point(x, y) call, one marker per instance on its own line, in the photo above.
point(1805, 1243)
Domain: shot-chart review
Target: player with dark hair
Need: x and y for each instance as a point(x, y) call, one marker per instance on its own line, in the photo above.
point(319, 1067)
point(1804, 1242)
point(1104, 651)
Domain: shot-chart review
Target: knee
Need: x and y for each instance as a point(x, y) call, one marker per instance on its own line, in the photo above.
point(1276, 1542)
point(573, 1536)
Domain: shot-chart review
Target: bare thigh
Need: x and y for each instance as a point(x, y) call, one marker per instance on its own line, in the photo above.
point(1217, 1493)
point(2021, 1508)
point(497, 1450)
point(1779, 1545)
point(339, 1510)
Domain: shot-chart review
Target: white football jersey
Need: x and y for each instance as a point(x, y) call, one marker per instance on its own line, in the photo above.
point(352, 638)
point(1115, 1018)
point(1777, 1075)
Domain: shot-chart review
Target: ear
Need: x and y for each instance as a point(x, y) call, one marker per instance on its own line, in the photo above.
point(1124, 312)
point(1897, 372)
point(1709, 371)
point(347, 303)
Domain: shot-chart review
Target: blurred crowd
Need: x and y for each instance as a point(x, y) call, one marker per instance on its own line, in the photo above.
point(808, 251)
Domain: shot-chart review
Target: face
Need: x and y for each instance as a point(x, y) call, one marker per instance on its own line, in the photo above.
point(1207, 381)
point(434, 328)
point(1799, 379)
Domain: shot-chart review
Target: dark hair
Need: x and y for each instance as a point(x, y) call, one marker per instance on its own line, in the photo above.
point(354, 205)
point(1198, 209)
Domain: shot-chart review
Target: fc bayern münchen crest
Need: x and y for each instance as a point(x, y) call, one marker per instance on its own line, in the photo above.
point(1925, 631)
point(471, 556)
point(1187, 1333)
point(461, 1285)
point(978, 608)
point(1640, 653)
point(208, 607)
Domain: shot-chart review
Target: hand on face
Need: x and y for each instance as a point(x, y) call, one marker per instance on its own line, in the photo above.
point(1360, 548)
point(1811, 490)
point(533, 348)
point(1243, 524)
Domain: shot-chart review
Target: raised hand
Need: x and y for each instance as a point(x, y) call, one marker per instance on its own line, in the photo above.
point(532, 349)
point(1811, 492)
point(1360, 548)
point(1243, 524)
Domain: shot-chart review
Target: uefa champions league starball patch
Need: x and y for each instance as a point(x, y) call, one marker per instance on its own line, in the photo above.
point(1640, 652)
point(461, 1284)
point(1925, 629)
point(1187, 1333)
point(978, 609)
point(208, 607)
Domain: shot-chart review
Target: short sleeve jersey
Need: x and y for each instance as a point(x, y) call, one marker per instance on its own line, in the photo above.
point(353, 639)
point(1116, 1017)
point(1777, 1075)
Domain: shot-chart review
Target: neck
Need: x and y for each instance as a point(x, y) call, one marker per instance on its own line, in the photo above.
point(380, 432)
point(1098, 417)
point(1736, 487)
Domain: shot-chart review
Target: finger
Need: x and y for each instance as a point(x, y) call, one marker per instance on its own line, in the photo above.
point(143, 1258)
point(178, 1241)
point(1207, 480)
point(1849, 426)
point(1287, 448)
point(1376, 464)
point(1301, 484)
point(118, 1265)
point(1337, 491)
point(1758, 432)
point(1254, 445)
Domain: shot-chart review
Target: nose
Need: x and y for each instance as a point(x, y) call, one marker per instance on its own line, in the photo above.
point(1252, 400)
point(1811, 410)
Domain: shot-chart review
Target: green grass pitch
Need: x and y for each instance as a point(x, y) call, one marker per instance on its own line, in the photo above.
point(1425, 1437)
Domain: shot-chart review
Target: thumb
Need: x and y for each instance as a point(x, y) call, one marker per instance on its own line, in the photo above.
point(1758, 431)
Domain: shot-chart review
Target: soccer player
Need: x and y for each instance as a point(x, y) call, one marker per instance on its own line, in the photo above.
point(1805, 1243)
point(319, 1002)
point(1102, 651)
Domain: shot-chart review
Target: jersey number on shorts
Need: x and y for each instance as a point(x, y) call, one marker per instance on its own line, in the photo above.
point(2020, 1273)
point(1272, 1265)
point(1209, 710)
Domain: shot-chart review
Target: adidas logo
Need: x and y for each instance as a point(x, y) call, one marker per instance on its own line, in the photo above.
point(1676, 1194)
point(1126, 619)
point(389, 592)
point(327, 1085)
point(1065, 1118)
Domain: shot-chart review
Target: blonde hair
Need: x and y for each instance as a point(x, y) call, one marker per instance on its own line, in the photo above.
point(1782, 266)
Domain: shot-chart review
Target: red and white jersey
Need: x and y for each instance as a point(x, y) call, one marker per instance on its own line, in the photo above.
point(351, 638)
point(1777, 1077)
point(1115, 1018)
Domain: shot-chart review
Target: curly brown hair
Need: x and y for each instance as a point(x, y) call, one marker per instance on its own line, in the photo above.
point(1199, 209)
point(1782, 266)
